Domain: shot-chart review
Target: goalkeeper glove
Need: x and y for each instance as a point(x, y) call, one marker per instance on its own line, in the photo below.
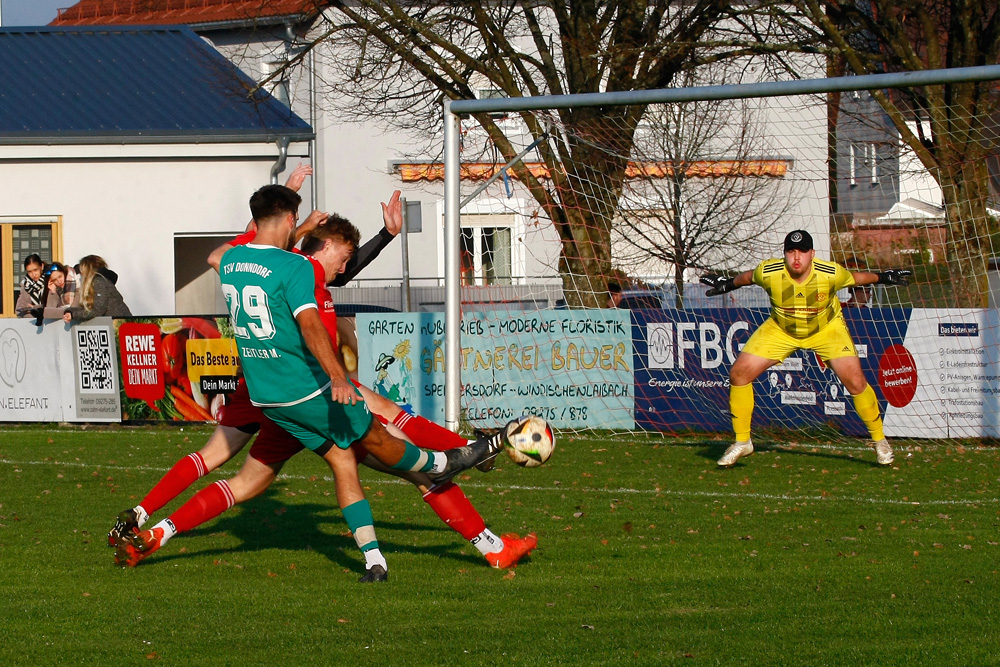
point(894, 277)
point(719, 285)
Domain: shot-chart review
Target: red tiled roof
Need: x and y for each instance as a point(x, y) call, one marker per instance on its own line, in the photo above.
point(480, 171)
point(172, 12)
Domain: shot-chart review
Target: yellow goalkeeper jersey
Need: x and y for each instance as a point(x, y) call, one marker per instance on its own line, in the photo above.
point(802, 309)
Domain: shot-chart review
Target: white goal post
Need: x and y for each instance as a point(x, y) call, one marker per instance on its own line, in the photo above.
point(454, 110)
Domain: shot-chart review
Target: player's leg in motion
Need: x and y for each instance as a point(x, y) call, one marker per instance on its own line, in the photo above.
point(240, 420)
point(453, 507)
point(421, 432)
point(848, 369)
point(418, 430)
point(319, 419)
point(357, 512)
point(745, 370)
point(224, 443)
point(268, 454)
point(252, 479)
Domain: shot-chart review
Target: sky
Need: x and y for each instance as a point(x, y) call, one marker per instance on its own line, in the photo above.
point(31, 12)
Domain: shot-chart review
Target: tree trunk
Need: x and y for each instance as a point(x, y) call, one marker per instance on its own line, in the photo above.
point(587, 205)
point(966, 191)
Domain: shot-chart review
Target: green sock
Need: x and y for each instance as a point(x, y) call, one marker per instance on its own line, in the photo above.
point(359, 519)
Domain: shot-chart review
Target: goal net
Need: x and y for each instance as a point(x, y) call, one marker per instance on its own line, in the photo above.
point(636, 200)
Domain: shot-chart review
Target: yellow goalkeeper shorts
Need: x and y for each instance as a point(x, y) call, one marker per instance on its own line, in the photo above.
point(772, 342)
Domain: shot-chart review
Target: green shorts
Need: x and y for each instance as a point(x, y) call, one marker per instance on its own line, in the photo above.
point(319, 419)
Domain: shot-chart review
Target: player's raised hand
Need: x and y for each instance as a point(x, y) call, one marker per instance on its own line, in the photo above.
point(719, 284)
point(392, 214)
point(894, 277)
point(344, 392)
point(298, 177)
point(315, 219)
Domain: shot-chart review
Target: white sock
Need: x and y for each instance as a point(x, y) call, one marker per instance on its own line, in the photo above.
point(440, 461)
point(487, 542)
point(374, 557)
point(141, 516)
point(169, 530)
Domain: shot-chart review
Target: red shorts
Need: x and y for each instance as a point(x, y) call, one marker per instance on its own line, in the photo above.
point(240, 413)
point(276, 445)
point(273, 443)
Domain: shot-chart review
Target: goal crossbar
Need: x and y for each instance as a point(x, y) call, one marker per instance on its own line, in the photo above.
point(453, 109)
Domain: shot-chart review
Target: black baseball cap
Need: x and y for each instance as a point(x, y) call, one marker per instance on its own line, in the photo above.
point(798, 240)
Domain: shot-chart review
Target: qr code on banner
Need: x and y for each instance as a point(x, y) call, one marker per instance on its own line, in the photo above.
point(94, 359)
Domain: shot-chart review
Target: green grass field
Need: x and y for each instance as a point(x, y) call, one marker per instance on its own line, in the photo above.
point(804, 555)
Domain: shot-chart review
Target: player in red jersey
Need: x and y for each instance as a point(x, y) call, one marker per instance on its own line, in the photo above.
point(274, 446)
point(242, 420)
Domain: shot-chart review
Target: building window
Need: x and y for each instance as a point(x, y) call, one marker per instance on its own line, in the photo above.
point(278, 86)
point(493, 94)
point(18, 239)
point(872, 160)
point(486, 250)
point(853, 167)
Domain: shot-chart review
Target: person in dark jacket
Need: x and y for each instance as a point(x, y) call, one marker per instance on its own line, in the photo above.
point(97, 295)
point(32, 287)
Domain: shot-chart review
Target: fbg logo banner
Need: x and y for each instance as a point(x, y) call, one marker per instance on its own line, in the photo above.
point(679, 344)
point(683, 357)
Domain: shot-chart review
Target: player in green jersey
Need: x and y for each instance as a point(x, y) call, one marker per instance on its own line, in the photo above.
point(805, 314)
point(290, 366)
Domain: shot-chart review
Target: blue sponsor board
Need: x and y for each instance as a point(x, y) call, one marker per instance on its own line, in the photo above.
point(682, 361)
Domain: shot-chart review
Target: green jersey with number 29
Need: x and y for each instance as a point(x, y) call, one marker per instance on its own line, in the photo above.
point(265, 288)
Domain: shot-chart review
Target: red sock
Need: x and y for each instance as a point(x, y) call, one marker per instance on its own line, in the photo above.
point(451, 504)
point(207, 504)
point(184, 473)
point(425, 433)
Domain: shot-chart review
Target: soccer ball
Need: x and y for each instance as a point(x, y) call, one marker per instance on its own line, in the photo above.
point(530, 441)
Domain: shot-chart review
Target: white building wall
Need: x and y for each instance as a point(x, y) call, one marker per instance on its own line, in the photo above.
point(128, 203)
point(128, 209)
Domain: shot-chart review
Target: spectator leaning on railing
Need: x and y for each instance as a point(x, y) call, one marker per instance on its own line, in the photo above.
point(32, 287)
point(96, 295)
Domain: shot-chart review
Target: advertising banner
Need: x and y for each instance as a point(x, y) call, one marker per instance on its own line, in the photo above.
point(96, 371)
point(683, 360)
point(942, 381)
point(30, 386)
point(176, 368)
point(573, 368)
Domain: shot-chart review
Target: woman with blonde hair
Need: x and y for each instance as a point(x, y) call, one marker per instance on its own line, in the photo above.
point(97, 295)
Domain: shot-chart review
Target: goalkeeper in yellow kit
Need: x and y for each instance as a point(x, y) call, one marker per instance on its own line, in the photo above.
point(805, 314)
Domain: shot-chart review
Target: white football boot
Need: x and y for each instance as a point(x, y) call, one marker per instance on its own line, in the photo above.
point(735, 452)
point(883, 452)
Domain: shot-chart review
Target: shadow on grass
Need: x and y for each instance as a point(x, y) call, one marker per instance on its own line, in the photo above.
point(713, 451)
point(266, 522)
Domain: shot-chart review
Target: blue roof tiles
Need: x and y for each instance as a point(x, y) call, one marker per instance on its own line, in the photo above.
point(130, 85)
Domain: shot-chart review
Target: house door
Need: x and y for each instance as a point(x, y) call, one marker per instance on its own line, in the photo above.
point(197, 289)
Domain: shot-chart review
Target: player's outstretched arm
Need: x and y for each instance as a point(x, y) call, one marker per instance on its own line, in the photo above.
point(392, 219)
point(317, 339)
point(897, 277)
point(894, 277)
point(721, 284)
point(298, 177)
